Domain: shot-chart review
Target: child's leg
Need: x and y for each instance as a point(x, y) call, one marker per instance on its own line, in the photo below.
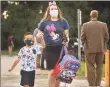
point(27, 78)
point(38, 60)
point(42, 59)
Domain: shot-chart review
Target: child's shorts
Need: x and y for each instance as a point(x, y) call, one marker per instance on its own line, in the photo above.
point(27, 78)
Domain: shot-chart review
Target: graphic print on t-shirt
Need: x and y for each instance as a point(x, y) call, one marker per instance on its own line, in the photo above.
point(28, 56)
point(51, 30)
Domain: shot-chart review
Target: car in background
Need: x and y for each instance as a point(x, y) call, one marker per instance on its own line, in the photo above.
point(76, 42)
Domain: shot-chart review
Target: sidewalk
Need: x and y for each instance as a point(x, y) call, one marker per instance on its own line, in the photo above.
point(12, 79)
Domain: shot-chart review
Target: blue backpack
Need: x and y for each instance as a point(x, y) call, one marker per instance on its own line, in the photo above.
point(69, 66)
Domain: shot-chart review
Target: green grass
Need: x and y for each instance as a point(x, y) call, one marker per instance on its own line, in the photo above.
point(5, 52)
point(81, 71)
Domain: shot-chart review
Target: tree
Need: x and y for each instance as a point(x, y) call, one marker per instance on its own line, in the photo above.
point(22, 16)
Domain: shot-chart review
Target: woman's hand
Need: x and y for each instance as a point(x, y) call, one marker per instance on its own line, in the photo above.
point(40, 34)
point(65, 43)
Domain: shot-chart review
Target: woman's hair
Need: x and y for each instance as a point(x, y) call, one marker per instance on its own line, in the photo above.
point(47, 15)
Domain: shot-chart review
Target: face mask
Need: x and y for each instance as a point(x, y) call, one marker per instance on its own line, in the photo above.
point(29, 42)
point(53, 13)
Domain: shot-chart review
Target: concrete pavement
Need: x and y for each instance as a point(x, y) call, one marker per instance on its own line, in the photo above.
point(12, 79)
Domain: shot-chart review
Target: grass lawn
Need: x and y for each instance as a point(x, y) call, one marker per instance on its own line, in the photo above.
point(81, 71)
point(5, 52)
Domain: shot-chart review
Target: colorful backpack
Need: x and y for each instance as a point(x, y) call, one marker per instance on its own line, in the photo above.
point(67, 68)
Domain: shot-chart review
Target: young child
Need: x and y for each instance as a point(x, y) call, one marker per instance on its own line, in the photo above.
point(38, 40)
point(27, 55)
point(70, 52)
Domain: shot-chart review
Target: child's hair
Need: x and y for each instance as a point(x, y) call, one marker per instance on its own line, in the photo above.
point(27, 33)
point(70, 46)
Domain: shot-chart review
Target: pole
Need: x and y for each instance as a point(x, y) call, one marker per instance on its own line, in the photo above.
point(79, 31)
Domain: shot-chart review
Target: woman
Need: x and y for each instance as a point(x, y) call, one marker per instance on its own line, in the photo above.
point(54, 28)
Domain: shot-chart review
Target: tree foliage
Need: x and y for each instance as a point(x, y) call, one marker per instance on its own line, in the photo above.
point(24, 16)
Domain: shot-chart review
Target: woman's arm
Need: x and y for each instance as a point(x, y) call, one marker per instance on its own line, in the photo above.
point(66, 37)
point(66, 34)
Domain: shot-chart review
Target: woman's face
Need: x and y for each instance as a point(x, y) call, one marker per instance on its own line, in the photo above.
point(53, 11)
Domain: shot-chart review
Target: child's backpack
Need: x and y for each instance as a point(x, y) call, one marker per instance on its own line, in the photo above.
point(67, 68)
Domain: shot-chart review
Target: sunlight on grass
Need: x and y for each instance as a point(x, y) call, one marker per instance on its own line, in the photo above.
point(81, 71)
point(5, 52)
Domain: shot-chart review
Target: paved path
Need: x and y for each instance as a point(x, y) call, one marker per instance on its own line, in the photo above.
point(12, 79)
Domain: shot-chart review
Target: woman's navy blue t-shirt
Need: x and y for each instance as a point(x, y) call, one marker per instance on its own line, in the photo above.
point(53, 31)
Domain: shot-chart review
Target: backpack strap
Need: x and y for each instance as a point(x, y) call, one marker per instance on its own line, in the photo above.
point(61, 53)
point(63, 50)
